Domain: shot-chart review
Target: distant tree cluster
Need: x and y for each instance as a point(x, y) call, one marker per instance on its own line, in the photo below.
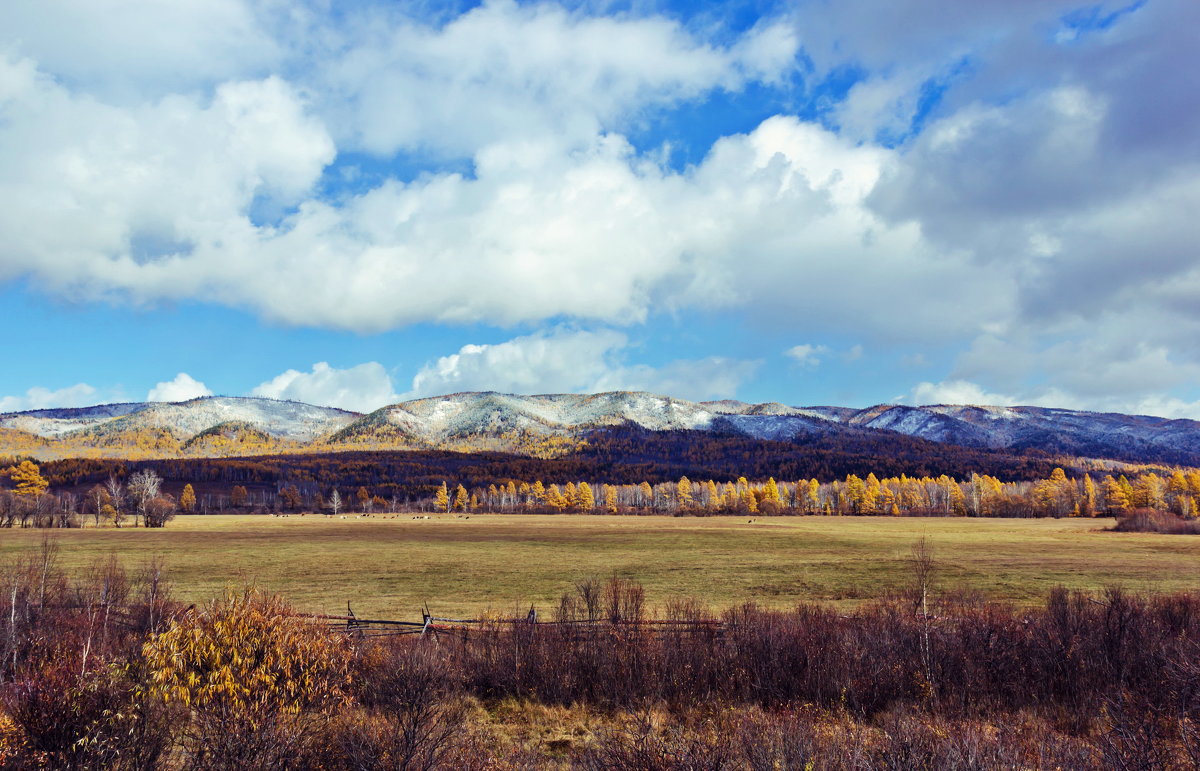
point(31, 504)
point(978, 495)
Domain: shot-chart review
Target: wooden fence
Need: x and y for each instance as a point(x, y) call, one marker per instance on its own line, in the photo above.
point(434, 626)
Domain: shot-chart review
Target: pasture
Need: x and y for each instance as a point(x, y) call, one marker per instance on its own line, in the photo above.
point(391, 567)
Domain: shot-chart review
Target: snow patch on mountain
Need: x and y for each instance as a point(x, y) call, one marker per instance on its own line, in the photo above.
point(281, 419)
point(430, 421)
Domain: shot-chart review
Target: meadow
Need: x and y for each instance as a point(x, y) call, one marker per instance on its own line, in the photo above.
point(392, 567)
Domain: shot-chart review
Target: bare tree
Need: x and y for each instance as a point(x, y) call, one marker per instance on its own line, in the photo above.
point(923, 570)
point(335, 502)
point(8, 508)
point(116, 494)
point(68, 510)
point(143, 486)
point(98, 497)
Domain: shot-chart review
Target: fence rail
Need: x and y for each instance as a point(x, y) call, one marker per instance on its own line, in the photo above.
point(429, 624)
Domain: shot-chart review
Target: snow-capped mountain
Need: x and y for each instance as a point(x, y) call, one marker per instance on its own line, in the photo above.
point(508, 421)
point(279, 419)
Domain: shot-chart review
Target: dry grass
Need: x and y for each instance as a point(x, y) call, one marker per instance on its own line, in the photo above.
point(390, 567)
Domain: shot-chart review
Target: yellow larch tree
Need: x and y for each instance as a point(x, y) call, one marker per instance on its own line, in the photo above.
point(683, 492)
point(187, 499)
point(28, 479)
point(610, 499)
point(771, 492)
point(1116, 500)
point(584, 499)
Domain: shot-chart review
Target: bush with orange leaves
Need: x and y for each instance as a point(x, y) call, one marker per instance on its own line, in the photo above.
point(12, 743)
point(255, 680)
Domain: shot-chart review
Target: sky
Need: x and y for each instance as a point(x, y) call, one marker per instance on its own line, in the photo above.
point(810, 202)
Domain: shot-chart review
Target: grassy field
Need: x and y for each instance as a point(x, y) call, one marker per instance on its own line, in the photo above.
point(391, 567)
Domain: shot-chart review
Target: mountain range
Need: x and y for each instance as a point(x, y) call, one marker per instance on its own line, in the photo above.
point(548, 425)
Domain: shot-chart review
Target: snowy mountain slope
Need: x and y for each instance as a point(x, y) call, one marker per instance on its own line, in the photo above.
point(496, 420)
point(60, 421)
point(280, 419)
point(474, 414)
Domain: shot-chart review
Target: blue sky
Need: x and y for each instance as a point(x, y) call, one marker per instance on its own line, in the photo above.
point(806, 202)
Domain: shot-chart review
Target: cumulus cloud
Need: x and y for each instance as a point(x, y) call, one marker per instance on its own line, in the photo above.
point(503, 72)
point(957, 392)
point(713, 377)
point(181, 389)
point(39, 398)
point(966, 392)
point(806, 355)
point(575, 361)
point(542, 230)
point(1023, 169)
point(362, 388)
point(138, 48)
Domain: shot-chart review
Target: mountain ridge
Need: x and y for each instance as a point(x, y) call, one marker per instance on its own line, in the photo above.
point(529, 424)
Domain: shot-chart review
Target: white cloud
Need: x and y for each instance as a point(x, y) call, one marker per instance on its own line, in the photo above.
point(181, 389)
point(958, 392)
point(806, 355)
point(574, 361)
point(966, 392)
point(507, 72)
point(39, 398)
point(362, 388)
point(713, 377)
point(156, 151)
point(130, 48)
point(556, 362)
point(156, 203)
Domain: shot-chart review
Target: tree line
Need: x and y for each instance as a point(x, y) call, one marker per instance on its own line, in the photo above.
point(979, 495)
point(139, 498)
point(130, 492)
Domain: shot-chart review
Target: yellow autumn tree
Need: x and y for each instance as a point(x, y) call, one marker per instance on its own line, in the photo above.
point(871, 494)
point(246, 654)
point(683, 492)
point(771, 492)
point(812, 496)
point(554, 497)
point(610, 499)
point(187, 499)
point(441, 498)
point(646, 493)
point(461, 498)
point(1088, 506)
point(856, 494)
point(1116, 499)
point(584, 499)
point(713, 495)
point(28, 479)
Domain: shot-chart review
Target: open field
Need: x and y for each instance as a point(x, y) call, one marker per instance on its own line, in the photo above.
point(391, 567)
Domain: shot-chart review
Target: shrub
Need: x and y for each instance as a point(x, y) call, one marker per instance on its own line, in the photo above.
point(1155, 521)
point(254, 676)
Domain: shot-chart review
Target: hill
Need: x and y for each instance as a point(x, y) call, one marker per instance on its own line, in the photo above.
point(555, 425)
